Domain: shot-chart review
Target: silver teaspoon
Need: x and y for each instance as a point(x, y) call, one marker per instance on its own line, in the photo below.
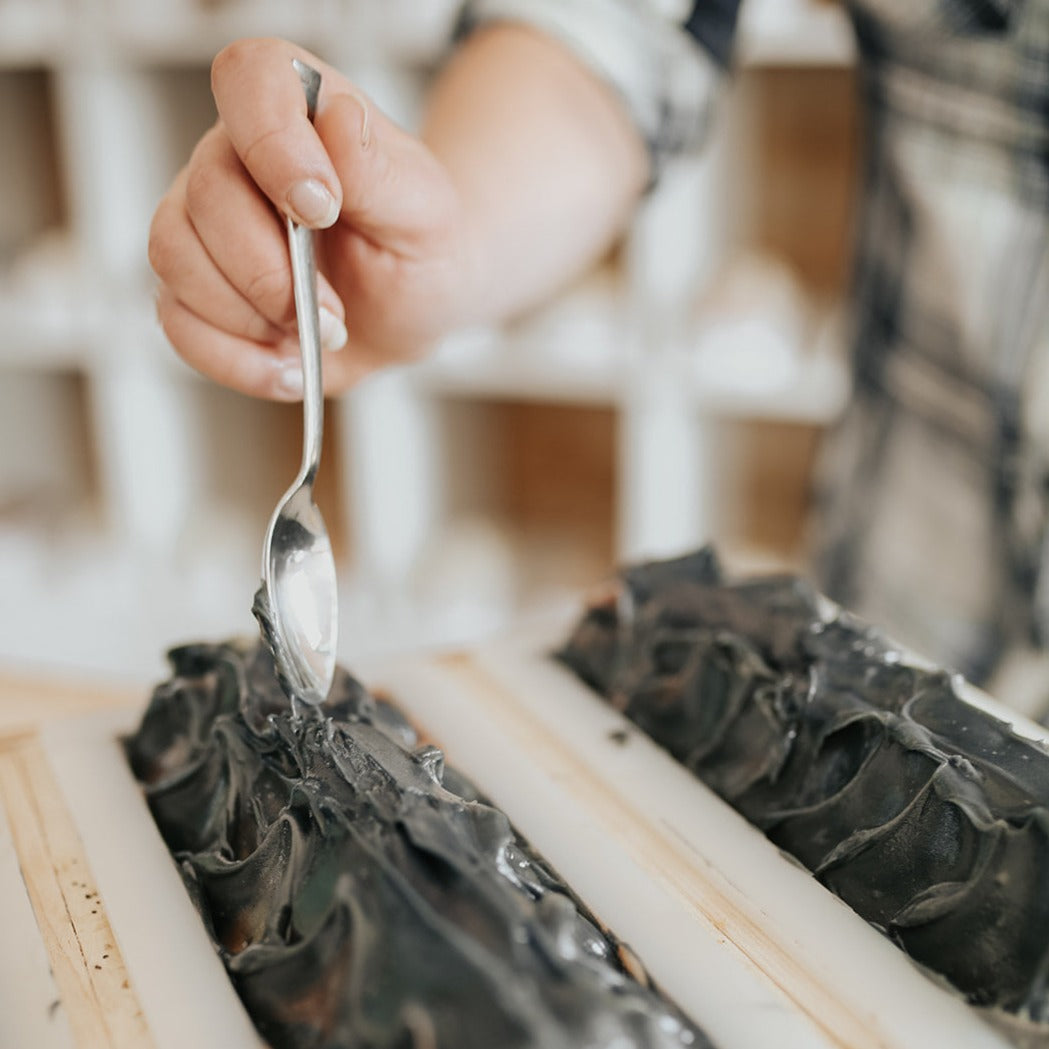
point(297, 605)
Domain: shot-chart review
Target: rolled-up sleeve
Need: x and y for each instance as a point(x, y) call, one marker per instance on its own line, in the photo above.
point(663, 57)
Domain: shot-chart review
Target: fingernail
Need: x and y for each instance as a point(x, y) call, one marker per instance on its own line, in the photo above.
point(312, 205)
point(333, 331)
point(289, 380)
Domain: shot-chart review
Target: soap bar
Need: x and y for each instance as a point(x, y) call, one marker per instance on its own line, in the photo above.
point(926, 815)
point(362, 894)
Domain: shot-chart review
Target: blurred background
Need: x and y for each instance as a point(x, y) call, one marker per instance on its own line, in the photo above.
point(677, 394)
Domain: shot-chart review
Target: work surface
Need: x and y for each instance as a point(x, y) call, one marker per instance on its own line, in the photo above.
point(102, 946)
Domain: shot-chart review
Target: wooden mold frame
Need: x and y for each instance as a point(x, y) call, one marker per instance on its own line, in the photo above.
point(107, 951)
point(744, 940)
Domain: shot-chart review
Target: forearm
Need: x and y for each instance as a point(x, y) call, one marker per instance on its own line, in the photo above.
point(547, 162)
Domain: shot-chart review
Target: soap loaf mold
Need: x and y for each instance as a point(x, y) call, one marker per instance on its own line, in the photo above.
point(926, 815)
point(361, 894)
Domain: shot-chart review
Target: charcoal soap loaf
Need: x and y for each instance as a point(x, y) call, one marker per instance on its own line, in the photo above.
point(362, 895)
point(928, 816)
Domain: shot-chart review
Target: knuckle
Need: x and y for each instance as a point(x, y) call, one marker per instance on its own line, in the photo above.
point(203, 181)
point(269, 291)
point(256, 328)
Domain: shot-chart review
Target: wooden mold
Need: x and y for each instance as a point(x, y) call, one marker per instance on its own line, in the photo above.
point(109, 951)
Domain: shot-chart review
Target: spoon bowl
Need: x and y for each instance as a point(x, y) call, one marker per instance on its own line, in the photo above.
point(299, 612)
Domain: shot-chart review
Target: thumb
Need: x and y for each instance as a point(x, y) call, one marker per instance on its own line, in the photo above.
point(395, 193)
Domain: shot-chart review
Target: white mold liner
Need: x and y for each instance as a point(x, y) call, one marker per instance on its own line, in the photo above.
point(745, 941)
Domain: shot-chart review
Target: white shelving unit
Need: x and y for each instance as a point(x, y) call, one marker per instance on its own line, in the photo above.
point(119, 533)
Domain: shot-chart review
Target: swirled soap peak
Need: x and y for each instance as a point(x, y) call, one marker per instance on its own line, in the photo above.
point(925, 814)
point(360, 892)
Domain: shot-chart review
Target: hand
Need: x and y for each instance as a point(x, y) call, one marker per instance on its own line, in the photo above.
point(393, 251)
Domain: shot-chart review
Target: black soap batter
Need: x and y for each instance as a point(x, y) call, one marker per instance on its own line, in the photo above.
point(927, 816)
point(362, 895)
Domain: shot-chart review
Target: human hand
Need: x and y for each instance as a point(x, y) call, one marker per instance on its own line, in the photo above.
point(392, 246)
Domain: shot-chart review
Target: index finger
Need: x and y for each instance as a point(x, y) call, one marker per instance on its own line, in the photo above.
point(262, 107)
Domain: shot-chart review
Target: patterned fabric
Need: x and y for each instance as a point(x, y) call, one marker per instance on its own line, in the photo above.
point(934, 503)
point(932, 516)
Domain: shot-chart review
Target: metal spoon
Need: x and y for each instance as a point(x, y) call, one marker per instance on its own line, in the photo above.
point(296, 606)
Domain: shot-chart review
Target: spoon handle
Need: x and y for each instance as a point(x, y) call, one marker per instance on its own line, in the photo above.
point(304, 280)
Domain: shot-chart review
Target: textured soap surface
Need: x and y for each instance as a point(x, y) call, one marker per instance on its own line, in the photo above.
point(929, 817)
point(360, 893)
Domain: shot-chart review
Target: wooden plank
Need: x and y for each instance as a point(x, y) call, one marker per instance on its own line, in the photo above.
point(88, 969)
